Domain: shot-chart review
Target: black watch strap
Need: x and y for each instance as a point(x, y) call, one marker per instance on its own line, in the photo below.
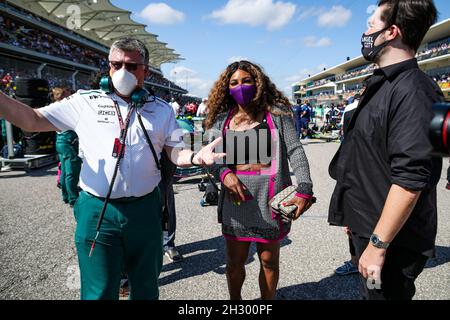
point(192, 159)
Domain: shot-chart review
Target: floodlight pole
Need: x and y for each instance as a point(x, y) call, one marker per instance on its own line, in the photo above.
point(74, 85)
point(39, 70)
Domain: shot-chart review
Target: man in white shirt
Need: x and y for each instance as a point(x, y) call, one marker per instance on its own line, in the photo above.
point(201, 111)
point(326, 115)
point(352, 104)
point(130, 237)
point(175, 106)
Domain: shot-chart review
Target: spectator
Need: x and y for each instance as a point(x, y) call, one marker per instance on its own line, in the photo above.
point(202, 108)
point(175, 106)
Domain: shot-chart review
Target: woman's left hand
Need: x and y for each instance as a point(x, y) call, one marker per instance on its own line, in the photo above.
point(302, 206)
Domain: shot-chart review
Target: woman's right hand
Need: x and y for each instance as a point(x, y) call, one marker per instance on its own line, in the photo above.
point(235, 188)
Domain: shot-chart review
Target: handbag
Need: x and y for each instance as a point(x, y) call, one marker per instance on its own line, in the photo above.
point(285, 212)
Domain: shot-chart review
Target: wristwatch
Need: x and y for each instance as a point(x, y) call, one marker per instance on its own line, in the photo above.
point(377, 243)
point(192, 159)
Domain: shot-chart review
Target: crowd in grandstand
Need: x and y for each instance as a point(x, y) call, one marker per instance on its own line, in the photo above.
point(159, 79)
point(28, 37)
point(430, 52)
point(353, 74)
point(8, 78)
point(319, 83)
point(36, 18)
point(434, 51)
point(443, 80)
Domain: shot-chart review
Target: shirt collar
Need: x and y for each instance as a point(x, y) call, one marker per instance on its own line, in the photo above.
point(119, 99)
point(395, 69)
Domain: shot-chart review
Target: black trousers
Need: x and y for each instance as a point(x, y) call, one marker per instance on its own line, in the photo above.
point(401, 268)
point(351, 247)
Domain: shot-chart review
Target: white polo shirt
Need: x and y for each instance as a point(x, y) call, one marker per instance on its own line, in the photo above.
point(92, 115)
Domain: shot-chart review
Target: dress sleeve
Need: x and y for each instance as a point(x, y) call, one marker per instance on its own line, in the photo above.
point(296, 156)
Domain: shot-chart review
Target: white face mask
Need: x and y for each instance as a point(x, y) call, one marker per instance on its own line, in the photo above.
point(124, 82)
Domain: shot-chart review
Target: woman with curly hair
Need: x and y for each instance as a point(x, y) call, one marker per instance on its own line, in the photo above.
point(256, 123)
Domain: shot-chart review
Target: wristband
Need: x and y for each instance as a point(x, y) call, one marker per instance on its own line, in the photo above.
point(224, 174)
point(303, 196)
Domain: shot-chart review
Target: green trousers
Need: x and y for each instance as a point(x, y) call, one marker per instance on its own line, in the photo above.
point(67, 148)
point(130, 241)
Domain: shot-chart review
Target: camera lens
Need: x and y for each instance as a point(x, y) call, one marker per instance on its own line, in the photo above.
point(440, 129)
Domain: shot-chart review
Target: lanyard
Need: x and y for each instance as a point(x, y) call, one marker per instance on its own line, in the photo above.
point(118, 153)
point(123, 125)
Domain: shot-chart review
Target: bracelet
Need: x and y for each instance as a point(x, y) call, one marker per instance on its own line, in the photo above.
point(224, 174)
point(303, 196)
point(192, 160)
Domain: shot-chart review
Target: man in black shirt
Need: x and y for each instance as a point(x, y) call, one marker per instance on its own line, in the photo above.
point(386, 176)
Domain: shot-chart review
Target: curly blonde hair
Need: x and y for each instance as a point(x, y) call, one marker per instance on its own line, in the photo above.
point(267, 97)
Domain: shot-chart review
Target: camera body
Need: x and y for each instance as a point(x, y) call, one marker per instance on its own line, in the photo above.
point(440, 129)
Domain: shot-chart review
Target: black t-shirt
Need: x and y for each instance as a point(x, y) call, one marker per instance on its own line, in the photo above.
point(253, 146)
point(387, 142)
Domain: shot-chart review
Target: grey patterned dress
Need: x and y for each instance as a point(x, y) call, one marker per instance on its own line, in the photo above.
point(253, 220)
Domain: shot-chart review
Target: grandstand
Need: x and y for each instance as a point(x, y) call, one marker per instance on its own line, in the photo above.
point(48, 39)
point(336, 84)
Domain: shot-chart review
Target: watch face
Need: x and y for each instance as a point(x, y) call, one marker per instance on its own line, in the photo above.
point(374, 239)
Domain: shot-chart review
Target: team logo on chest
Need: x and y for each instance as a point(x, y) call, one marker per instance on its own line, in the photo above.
point(106, 114)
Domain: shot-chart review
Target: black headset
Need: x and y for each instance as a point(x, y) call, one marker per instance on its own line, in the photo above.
point(139, 97)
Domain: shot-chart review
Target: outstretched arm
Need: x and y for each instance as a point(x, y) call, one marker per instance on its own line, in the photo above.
point(23, 116)
point(206, 156)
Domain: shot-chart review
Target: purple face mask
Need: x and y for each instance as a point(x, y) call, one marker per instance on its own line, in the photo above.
point(243, 95)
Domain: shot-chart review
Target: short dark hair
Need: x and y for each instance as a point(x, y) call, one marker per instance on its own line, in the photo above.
point(413, 17)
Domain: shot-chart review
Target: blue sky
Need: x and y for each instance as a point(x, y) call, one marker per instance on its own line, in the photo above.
point(289, 39)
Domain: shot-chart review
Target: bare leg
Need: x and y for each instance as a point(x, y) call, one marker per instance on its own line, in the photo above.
point(237, 253)
point(269, 257)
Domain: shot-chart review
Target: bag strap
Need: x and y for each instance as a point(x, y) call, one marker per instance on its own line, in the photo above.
point(149, 142)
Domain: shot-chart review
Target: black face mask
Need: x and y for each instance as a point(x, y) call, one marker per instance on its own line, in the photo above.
point(369, 50)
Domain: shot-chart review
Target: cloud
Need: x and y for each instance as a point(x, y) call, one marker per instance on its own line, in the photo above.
point(288, 42)
point(196, 85)
point(161, 13)
point(287, 90)
point(263, 41)
point(337, 16)
point(272, 15)
point(313, 42)
point(298, 76)
point(237, 58)
point(306, 13)
point(181, 71)
point(305, 73)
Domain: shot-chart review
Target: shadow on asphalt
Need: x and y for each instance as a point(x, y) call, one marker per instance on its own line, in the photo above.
point(202, 257)
point(330, 288)
point(191, 180)
point(344, 287)
point(42, 172)
point(442, 257)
